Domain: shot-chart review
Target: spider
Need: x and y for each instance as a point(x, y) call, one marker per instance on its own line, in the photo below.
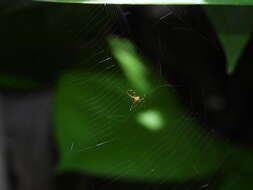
point(135, 99)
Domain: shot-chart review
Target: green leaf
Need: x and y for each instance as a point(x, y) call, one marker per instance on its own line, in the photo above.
point(238, 170)
point(234, 27)
point(238, 181)
point(156, 2)
point(131, 64)
point(157, 140)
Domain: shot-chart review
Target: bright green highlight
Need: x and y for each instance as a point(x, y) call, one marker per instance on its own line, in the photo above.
point(151, 119)
point(131, 64)
point(158, 2)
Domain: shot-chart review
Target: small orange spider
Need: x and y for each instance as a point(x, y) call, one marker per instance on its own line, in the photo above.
point(136, 99)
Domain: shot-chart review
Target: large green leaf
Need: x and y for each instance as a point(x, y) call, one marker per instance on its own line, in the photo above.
point(158, 140)
point(238, 181)
point(234, 26)
point(155, 2)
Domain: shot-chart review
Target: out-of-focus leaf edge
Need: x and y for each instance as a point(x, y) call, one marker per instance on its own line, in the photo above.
point(156, 2)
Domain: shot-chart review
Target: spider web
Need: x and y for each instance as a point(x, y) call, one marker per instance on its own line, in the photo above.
point(159, 141)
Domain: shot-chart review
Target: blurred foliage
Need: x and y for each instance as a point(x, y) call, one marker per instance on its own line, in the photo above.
point(45, 33)
point(98, 134)
point(234, 27)
point(232, 24)
point(96, 131)
point(131, 64)
point(238, 181)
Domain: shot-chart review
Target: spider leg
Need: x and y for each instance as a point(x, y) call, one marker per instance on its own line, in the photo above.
point(130, 93)
point(132, 106)
point(135, 104)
